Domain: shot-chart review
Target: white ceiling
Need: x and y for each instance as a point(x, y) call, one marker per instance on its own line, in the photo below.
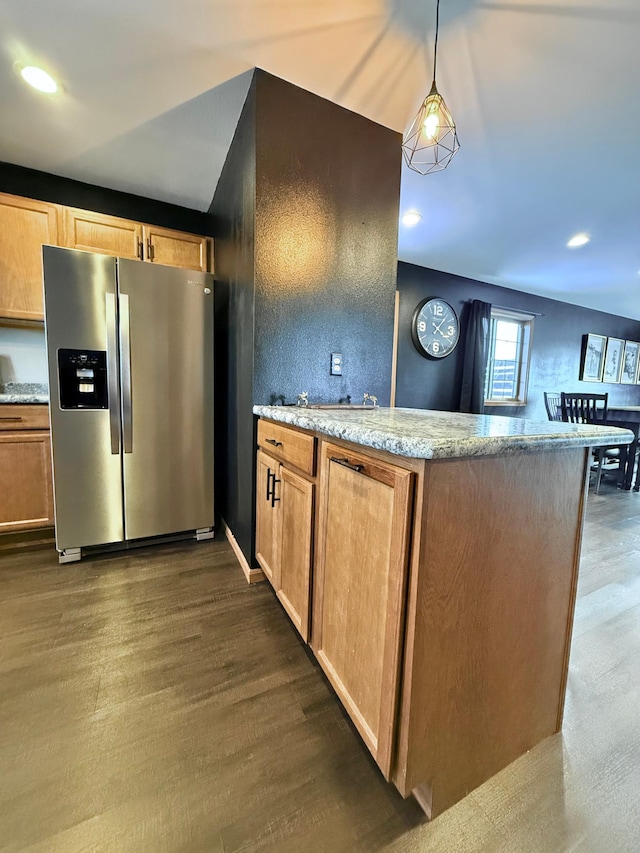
point(546, 96)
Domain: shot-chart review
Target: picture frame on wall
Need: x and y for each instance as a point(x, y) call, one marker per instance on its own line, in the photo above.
point(593, 358)
point(613, 360)
point(630, 360)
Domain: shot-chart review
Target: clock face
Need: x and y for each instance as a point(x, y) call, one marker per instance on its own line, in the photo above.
point(435, 329)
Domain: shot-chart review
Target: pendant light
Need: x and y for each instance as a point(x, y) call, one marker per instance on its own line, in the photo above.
point(432, 140)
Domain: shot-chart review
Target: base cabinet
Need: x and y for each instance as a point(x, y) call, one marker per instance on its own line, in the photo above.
point(360, 580)
point(26, 489)
point(285, 518)
point(293, 585)
point(267, 518)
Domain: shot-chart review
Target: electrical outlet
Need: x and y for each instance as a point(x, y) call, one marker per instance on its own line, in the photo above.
point(336, 364)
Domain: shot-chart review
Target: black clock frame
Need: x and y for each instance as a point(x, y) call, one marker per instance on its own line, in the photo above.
point(414, 330)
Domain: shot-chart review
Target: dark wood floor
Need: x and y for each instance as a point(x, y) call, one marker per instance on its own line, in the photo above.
point(152, 701)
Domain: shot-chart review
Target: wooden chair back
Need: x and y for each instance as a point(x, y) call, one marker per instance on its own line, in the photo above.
point(584, 408)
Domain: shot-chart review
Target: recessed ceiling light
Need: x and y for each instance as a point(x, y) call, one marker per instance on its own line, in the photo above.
point(578, 240)
point(411, 217)
point(39, 79)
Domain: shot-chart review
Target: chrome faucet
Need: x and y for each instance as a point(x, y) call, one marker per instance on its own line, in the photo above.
point(303, 399)
point(370, 398)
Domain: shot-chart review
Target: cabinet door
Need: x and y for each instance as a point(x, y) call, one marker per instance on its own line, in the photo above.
point(267, 517)
point(359, 589)
point(296, 508)
point(26, 498)
point(176, 249)
point(24, 226)
point(96, 232)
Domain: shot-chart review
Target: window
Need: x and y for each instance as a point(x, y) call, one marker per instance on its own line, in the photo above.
point(509, 352)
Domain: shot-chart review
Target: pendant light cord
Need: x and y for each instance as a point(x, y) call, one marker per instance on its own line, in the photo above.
point(435, 46)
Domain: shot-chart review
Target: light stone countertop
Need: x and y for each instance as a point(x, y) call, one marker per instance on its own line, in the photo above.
point(425, 434)
point(24, 392)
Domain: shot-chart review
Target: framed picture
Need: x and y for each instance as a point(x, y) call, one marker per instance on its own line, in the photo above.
point(613, 360)
point(630, 363)
point(593, 358)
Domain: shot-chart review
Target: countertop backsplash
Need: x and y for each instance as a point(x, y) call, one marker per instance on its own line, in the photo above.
point(23, 365)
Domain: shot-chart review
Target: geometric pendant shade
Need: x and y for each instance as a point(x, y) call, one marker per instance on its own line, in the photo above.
point(432, 140)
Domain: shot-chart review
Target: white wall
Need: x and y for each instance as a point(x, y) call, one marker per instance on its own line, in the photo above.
point(22, 355)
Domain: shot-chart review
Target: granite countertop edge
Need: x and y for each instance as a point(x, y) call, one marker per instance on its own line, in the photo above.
point(425, 434)
point(26, 399)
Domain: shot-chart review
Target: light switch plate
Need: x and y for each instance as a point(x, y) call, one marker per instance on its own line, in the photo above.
point(336, 364)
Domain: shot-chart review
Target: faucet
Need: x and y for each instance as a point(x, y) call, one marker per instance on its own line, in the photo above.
point(303, 399)
point(370, 398)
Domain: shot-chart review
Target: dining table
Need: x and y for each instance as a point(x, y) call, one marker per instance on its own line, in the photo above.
point(627, 417)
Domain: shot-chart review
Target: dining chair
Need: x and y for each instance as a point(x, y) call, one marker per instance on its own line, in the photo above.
point(590, 409)
point(552, 404)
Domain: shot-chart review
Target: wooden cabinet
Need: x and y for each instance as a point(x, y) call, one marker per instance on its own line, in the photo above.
point(443, 597)
point(96, 232)
point(359, 587)
point(124, 238)
point(267, 517)
point(26, 494)
point(285, 516)
point(176, 249)
point(24, 226)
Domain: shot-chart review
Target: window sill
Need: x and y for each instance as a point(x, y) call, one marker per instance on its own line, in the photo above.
point(509, 403)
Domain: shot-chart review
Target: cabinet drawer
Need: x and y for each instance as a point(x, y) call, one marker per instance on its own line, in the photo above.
point(289, 445)
point(18, 417)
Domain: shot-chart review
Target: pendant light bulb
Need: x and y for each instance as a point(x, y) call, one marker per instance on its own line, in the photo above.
point(432, 124)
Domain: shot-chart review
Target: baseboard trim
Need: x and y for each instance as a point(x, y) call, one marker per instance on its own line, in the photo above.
point(252, 575)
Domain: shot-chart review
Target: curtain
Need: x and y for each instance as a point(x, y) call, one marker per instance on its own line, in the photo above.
point(476, 353)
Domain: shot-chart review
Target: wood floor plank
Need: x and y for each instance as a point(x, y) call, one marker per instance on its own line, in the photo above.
point(153, 701)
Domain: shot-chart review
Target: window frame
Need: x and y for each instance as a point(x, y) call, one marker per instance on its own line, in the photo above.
point(526, 322)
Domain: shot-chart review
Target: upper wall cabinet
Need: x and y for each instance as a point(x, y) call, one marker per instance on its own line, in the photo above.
point(176, 249)
point(96, 232)
point(24, 226)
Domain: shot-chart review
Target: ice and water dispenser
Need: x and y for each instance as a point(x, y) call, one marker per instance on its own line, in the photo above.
point(82, 375)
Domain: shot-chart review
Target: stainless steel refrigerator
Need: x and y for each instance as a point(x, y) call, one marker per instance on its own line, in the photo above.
point(130, 351)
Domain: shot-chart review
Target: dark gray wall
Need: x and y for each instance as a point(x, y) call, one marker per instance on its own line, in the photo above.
point(310, 270)
point(328, 186)
point(31, 183)
point(557, 342)
point(233, 211)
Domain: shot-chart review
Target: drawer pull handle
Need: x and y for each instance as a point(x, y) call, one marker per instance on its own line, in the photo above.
point(270, 474)
point(2, 418)
point(274, 442)
point(346, 464)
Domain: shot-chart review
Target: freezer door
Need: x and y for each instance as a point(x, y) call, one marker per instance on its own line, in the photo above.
point(80, 318)
point(166, 347)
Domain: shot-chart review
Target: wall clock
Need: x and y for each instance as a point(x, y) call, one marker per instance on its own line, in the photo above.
point(435, 328)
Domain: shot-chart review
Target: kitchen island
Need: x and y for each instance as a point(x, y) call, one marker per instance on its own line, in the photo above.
point(431, 559)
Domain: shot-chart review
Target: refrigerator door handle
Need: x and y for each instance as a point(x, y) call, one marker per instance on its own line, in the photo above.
point(112, 373)
point(125, 363)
